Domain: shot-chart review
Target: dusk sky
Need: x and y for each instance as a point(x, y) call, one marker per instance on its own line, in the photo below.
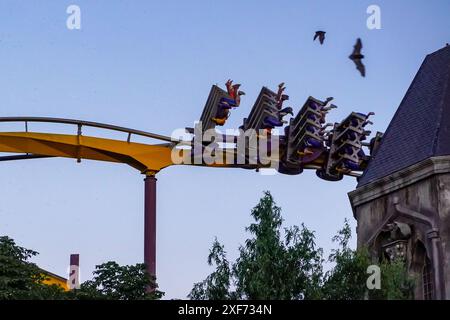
point(149, 65)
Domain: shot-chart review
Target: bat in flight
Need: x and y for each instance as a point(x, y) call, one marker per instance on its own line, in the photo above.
point(320, 35)
point(357, 57)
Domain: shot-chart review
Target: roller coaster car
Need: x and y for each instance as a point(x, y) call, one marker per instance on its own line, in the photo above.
point(217, 108)
point(356, 120)
point(304, 138)
point(346, 147)
point(264, 113)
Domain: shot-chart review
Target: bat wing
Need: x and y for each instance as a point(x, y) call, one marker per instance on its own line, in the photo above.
point(315, 36)
point(357, 47)
point(360, 66)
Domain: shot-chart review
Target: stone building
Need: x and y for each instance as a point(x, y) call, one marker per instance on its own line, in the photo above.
point(402, 201)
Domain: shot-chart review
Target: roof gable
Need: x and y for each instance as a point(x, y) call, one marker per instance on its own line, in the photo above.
point(420, 128)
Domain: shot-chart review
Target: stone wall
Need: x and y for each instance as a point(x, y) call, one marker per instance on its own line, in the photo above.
point(419, 196)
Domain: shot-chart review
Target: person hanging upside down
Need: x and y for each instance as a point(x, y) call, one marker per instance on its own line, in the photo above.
point(223, 111)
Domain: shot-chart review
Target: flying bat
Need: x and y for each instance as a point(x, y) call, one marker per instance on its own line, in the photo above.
point(356, 57)
point(321, 35)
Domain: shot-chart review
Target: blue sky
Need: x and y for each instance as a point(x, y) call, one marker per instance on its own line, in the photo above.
point(149, 65)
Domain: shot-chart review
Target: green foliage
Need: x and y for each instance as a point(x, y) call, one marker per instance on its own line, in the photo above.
point(347, 280)
point(396, 283)
point(268, 267)
point(272, 267)
point(217, 285)
point(19, 278)
point(114, 282)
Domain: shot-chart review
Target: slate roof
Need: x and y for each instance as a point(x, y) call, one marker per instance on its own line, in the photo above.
point(420, 128)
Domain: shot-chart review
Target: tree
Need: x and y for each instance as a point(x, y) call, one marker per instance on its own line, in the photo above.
point(217, 285)
point(268, 267)
point(21, 279)
point(347, 280)
point(273, 267)
point(396, 282)
point(114, 282)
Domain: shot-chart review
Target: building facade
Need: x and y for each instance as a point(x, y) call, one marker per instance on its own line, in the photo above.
point(402, 201)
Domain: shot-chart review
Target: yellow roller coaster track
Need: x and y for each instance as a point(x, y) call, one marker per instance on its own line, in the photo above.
point(147, 158)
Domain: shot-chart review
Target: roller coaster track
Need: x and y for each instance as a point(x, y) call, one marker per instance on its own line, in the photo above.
point(147, 158)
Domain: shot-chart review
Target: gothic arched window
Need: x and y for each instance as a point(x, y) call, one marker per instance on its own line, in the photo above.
point(427, 280)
